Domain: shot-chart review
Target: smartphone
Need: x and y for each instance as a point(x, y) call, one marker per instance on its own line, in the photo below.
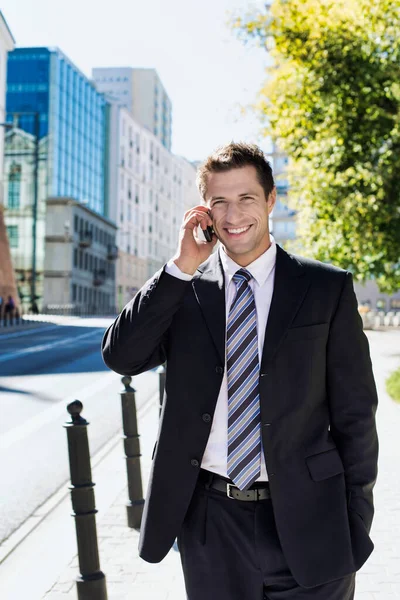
point(208, 233)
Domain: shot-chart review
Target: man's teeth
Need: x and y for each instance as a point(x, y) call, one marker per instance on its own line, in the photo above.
point(239, 230)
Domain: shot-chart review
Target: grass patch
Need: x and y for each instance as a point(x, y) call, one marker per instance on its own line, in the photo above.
point(393, 385)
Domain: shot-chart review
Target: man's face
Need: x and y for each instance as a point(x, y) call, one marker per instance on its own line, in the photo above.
point(240, 211)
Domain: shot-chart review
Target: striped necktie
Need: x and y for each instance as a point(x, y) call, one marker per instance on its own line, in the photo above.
point(244, 438)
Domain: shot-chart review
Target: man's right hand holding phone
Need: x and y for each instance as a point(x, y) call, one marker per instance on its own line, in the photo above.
point(191, 250)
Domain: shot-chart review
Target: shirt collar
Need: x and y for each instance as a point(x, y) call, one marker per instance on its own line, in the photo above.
point(260, 269)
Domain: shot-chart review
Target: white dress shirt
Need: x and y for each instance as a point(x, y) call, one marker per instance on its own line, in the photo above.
point(262, 284)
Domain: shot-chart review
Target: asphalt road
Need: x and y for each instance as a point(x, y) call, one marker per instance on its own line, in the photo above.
point(41, 370)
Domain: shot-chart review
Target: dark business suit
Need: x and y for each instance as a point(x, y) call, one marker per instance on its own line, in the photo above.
point(317, 398)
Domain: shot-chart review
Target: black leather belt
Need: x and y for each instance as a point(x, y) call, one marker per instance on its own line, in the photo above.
point(259, 491)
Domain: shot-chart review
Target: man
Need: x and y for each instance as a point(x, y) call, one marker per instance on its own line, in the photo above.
point(267, 451)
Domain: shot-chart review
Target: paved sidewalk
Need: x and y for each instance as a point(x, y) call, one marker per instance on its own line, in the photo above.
point(128, 577)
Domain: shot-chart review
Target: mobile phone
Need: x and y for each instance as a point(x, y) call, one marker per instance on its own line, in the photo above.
point(208, 233)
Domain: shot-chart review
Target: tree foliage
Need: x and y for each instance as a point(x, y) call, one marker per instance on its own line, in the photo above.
point(331, 101)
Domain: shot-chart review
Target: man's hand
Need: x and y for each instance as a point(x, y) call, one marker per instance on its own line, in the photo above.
point(192, 251)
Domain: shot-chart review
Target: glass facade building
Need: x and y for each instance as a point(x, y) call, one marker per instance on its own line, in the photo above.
point(72, 116)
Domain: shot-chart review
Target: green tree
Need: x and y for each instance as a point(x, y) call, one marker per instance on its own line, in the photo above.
point(331, 101)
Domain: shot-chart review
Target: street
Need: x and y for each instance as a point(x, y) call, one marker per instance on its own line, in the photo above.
point(41, 371)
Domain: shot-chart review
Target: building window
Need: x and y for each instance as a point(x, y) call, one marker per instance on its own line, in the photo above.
point(13, 237)
point(74, 292)
point(75, 257)
point(14, 186)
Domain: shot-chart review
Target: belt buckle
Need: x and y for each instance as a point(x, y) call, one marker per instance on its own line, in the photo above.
point(228, 490)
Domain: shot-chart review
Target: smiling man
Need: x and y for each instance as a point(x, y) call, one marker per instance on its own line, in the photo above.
point(267, 451)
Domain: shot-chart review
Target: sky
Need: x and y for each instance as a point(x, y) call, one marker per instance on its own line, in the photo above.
point(208, 74)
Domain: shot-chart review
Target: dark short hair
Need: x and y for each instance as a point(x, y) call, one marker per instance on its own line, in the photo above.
point(235, 156)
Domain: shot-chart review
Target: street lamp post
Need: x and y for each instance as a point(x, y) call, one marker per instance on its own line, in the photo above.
point(36, 134)
point(35, 206)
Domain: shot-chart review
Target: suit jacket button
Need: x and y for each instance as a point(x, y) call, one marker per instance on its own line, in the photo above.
point(219, 370)
point(194, 462)
point(206, 418)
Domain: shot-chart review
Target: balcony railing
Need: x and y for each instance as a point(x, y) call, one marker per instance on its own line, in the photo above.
point(99, 277)
point(85, 239)
point(112, 252)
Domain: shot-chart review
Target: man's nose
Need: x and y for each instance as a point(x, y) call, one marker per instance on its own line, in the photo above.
point(233, 214)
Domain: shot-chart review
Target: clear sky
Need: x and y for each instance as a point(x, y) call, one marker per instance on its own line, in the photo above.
point(206, 71)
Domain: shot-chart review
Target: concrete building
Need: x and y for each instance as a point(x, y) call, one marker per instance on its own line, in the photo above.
point(80, 255)
point(142, 93)
point(7, 278)
point(54, 104)
point(368, 294)
point(191, 195)
point(152, 192)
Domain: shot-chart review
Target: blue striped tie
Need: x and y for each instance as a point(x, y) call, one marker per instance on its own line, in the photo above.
point(244, 438)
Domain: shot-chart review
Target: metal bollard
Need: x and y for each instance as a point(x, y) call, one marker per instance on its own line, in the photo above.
point(134, 507)
point(91, 583)
point(161, 384)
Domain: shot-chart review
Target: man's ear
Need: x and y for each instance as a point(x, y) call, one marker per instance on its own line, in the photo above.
point(271, 200)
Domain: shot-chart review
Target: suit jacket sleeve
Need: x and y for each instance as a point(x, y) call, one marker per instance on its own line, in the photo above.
point(137, 340)
point(353, 401)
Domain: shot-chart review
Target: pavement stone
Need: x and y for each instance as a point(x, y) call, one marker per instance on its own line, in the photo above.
point(128, 576)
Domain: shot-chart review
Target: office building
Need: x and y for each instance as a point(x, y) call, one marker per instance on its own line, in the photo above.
point(142, 93)
point(153, 189)
point(59, 119)
point(79, 263)
point(71, 115)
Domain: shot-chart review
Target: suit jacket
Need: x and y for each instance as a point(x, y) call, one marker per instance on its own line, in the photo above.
point(317, 398)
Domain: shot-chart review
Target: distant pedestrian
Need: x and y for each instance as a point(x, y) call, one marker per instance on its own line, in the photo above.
point(267, 450)
point(9, 306)
point(9, 309)
point(34, 308)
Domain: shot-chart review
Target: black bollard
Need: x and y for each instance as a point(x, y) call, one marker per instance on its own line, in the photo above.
point(134, 507)
point(91, 583)
point(161, 384)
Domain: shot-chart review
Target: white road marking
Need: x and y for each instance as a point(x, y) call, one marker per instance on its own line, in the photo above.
point(33, 330)
point(43, 347)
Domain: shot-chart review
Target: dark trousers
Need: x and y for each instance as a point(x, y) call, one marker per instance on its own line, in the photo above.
point(230, 550)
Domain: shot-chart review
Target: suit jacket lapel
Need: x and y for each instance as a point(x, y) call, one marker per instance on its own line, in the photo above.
point(209, 289)
point(290, 287)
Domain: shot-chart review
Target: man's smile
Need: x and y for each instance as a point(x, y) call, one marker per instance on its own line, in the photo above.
point(237, 231)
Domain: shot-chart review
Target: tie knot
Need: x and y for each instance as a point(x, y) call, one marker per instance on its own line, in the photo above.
point(240, 276)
